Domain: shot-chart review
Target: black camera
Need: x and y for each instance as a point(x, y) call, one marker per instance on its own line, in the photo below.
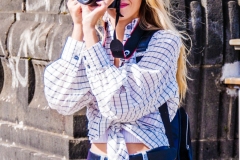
point(88, 2)
point(93, 3)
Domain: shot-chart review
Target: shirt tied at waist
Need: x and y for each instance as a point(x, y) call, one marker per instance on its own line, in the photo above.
point(116, 145)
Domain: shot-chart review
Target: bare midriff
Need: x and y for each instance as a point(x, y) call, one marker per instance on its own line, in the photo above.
point(133, 148)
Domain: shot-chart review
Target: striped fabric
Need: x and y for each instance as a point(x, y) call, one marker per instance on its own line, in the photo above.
point(125, 98)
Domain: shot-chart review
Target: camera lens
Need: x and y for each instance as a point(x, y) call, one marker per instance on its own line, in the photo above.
point(87, 2)
point(93, 3)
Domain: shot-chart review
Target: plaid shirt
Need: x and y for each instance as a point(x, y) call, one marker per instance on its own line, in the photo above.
point(126, 98)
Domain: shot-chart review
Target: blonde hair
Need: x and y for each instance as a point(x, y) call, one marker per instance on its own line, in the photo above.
point(154, 14)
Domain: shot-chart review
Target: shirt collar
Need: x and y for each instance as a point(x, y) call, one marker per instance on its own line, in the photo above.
point(128, 28)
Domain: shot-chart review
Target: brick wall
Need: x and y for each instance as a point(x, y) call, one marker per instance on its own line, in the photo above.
point(32, 34)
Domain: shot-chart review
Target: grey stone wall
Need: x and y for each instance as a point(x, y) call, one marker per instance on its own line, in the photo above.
point(213, 113)
point(32, 34)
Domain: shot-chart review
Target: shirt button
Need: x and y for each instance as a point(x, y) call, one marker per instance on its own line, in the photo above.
point(76, 57)
point(129, 27)
point(84, 57)
point(88, 66)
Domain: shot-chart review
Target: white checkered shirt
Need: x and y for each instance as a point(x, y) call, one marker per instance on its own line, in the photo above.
point(126, 98)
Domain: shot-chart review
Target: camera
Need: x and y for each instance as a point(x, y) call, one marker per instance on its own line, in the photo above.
point(93, 3)
point(88, 2)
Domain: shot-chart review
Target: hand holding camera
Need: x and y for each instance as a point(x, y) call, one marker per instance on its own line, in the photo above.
point(91, 14)
point(85, 15)
point(75, 8)
point(76, 11)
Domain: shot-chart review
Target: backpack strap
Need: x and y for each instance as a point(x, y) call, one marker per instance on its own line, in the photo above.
point(166, 122)
point(142, 46)
point(145, 39)
point(143, 43)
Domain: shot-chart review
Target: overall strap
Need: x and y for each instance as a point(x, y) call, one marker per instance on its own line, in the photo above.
point(166, 122)
point(144, 41)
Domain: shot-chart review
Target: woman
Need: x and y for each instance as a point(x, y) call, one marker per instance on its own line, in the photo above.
point(122, 96)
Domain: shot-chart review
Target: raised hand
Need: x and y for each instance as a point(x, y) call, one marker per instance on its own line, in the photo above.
point(76, 13)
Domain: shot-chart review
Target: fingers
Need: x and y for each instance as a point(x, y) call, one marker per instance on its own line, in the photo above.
point(94, 10)
point(73, 3)
point(85, 9)
point(74, 6)
point(92, 14)
point(75, 10)
point(101, 8)
point(108, 2)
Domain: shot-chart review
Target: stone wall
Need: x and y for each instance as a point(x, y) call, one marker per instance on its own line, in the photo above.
point(32, 34)
point(213, 113)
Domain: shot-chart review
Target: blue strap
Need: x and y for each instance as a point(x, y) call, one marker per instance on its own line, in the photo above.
point(166, 122)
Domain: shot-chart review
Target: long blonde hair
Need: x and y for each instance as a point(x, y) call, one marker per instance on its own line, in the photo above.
point(154, 14)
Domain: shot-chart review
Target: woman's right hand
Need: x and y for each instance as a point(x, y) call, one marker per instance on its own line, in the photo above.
point(75, 10)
